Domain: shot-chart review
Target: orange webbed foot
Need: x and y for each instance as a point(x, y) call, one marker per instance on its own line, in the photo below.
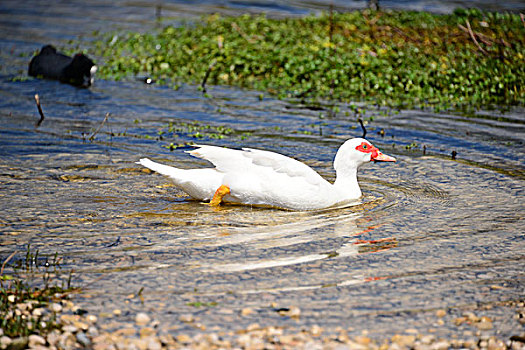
point(222, 191)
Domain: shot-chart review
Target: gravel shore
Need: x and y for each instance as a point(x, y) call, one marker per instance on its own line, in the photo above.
point(74, 328)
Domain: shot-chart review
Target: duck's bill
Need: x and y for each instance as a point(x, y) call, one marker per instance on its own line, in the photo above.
point(380, 157)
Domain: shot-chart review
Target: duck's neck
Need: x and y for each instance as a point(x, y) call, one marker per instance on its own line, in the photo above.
point(346, 184)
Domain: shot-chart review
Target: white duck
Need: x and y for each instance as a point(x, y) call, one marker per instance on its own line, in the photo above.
point(256, 177)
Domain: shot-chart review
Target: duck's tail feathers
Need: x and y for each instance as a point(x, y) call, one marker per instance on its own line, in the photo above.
point(159, 168)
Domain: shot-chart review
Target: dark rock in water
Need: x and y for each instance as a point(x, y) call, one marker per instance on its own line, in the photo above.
point(78, 70)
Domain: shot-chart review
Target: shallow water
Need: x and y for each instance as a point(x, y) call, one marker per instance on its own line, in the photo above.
point(431, 232)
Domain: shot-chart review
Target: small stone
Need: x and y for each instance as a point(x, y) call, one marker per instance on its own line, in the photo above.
point(147, 332)
point(66, 341)
point(362, 340)
point(117, 312)
point(427, 339)
point(183, 338)
point(316, 331)
point(140, 344)
point(38, 312)
point(460, 320)
point(404, 340)
point(92, 332)
point(68, 319)
point(441, 313)
point(471, 317)
point(253, 327)
point(495, 344)
point(247, 311)
point(355, 345)
point(83, 339)
point(200, 326)
point(484, 326)
point(167, 339)
point(53, 337)
point(91, 319)
point(142, 319)
point(187, 318)
point(4, 341)
point(440, 345)
point(70, 329)
point(36, 340)
point(292, 312)
point(22, 306)
point(18, 343)
point(55, 307)
point(127, 332)
point(153, 344)
point(81, 325)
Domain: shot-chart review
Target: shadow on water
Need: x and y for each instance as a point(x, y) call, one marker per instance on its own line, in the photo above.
point(429, 233)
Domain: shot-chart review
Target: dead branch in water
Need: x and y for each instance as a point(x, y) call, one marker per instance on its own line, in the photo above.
point(205, 79)
point(42, 117)
point(5, 262)
point(473, 37)
point(92, 136)
point(362, 126)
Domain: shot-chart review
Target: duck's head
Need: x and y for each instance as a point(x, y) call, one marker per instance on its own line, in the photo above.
point(356, 152)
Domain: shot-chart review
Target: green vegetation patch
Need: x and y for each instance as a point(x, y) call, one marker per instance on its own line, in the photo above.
point(26, 304)
point(396, 58)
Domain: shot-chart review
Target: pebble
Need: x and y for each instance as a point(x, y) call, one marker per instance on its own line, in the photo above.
point(18, 343)
point(183, 338)
point(153, 344)
point(441, 313)
point(142, 319)
point(35, 340)
point(247, 311)
point(146, 332)
point(55, 307)
point(38, 312)
point(91, 319)
point(440, 345)
point(316, 331)
point(4, 341)
point(187, 318)
point(484, 325)
point(70, 329)
point(404, 340)
point(83, 339)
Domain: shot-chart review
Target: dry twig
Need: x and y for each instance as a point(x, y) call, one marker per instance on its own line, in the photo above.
point(473, 37)
point(5, 262)
point(37, 100)
point(92, 136)
point(205, 79)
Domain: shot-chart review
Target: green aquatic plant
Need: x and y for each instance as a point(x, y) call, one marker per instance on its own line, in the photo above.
point(392, 58)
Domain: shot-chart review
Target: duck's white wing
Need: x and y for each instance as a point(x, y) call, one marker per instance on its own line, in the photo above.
point(251, 160)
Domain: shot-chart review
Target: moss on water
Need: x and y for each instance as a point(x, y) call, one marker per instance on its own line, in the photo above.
point(396, 58)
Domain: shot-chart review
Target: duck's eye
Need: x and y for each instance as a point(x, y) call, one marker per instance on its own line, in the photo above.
point(365, 146)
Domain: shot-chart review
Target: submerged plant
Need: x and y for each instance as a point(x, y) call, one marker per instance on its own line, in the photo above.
point(396, 58)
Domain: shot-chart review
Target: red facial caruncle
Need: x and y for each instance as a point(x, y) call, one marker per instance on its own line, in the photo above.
point(375, 154)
